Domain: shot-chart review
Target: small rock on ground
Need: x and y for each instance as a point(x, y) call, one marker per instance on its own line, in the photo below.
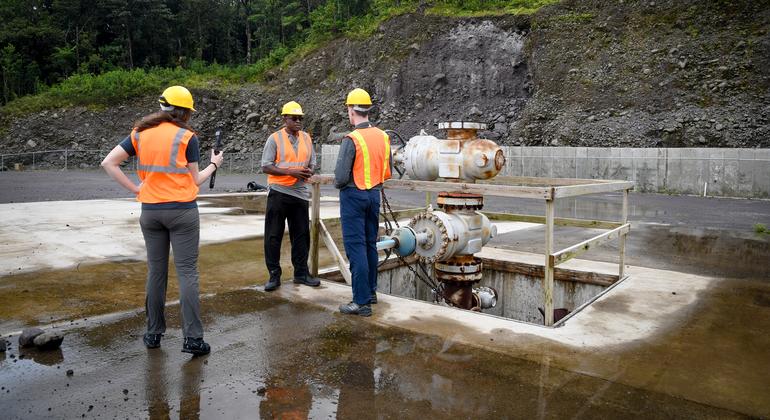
point(27, 337)
point(49, 340)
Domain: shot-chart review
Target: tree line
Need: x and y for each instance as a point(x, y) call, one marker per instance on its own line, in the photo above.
point(46, 42)
point(42, 42)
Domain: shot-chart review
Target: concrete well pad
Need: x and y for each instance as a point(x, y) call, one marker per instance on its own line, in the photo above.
point(652, 331)
point(59, 234)
point(661, 335)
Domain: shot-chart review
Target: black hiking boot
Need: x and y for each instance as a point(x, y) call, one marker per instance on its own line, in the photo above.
point(307, 280)
point(274, 282)
point(373, 299)
point(152, 341)
point(195, 346)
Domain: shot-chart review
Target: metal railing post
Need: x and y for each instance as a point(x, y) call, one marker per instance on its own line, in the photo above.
point(548, 268)
point(622, 245)
point(33, 161)
point(315, 217)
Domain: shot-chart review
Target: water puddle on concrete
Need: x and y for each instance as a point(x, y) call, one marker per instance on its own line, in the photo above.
point(45, 297)
point(273, 359)
point(240, 204)
point(712, 252)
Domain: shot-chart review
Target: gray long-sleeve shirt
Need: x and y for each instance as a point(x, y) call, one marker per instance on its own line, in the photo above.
point(269, 154)
point(343, 171)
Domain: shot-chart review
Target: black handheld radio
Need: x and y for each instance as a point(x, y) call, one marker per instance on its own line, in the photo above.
point(217, 149)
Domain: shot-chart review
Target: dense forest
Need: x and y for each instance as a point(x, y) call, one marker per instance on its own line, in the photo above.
point(45, 42)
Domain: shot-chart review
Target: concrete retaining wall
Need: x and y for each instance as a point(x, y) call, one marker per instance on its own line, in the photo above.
point(519, 295)
point(726, 172)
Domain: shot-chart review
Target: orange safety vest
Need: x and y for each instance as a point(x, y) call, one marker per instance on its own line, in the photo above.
point(162, 165)
point(372, 164)
point(286, 157)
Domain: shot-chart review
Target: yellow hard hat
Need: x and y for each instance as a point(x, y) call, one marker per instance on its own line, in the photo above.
point(291, 108)
point(359, 96)
point(177, 96)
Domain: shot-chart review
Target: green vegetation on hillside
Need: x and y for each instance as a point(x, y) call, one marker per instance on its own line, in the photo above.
point(79, 52)
point(471, 8)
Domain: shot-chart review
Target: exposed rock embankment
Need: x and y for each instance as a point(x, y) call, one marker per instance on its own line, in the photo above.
point(589, 73)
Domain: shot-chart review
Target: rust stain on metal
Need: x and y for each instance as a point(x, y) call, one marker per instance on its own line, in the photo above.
point(499, 159)
point(460, 134)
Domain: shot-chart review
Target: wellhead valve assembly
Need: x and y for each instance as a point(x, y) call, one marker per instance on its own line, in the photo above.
point(449, 237)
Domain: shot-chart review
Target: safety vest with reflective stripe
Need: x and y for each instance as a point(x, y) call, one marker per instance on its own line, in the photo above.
point(162, 167)
point(372, 164)
point(286, 157)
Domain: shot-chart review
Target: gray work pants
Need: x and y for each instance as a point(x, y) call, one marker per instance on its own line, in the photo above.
point(181, 229)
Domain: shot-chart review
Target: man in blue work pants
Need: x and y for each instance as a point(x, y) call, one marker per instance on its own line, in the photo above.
point(360, 212)
point(363, 165)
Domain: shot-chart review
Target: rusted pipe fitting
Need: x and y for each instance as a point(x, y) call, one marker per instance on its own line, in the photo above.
point(461, 156)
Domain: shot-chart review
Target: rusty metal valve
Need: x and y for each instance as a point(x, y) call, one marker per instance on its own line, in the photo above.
point(461, 156)
point(485, 297)
point(441, 236)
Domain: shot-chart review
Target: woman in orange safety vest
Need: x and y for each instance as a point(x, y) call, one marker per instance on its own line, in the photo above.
point(167, 153)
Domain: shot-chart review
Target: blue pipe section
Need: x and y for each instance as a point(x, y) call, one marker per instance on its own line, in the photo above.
point(386, 244)
point(403, 241)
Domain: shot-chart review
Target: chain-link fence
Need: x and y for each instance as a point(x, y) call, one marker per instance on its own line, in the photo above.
point(89, 159)
point(67, 159)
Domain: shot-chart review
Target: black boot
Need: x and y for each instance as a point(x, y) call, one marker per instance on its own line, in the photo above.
point(152, 341)
point(274, 282)
point(307, 280)
point(195, 346)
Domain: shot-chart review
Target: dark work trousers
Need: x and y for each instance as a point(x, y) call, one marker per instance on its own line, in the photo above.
point(280, 209)
point(179, 228)
point(360, 211)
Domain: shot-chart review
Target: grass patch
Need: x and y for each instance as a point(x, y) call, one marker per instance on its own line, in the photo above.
point(479, 8)
point(761, 229)
point(574, 18)
point(98, 91)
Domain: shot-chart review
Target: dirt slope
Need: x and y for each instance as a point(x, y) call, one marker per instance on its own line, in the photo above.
point(581, 73)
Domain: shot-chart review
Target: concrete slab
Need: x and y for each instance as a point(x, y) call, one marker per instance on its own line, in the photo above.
point(33, 237)
point(654, 332)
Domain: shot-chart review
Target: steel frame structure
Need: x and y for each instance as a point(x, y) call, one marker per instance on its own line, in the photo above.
point(546, 189)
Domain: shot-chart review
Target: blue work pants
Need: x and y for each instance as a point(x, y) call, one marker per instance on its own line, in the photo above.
point(360, 212)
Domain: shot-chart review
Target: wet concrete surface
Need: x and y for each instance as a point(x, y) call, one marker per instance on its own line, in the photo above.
point(712, 236)
point(709, 363)
point(45, 297)
point(273, 359)
point(712, 251)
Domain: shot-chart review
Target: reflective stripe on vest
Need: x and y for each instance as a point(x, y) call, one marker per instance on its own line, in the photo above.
point(366, 156)
point(171, 168)
point(162, 164)
point(282, 161)
point(285, 158)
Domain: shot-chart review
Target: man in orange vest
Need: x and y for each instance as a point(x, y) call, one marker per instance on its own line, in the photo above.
point(363, 164)
point(288, 160)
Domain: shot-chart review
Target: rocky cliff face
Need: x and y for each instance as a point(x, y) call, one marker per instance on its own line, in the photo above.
point(581, 73)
